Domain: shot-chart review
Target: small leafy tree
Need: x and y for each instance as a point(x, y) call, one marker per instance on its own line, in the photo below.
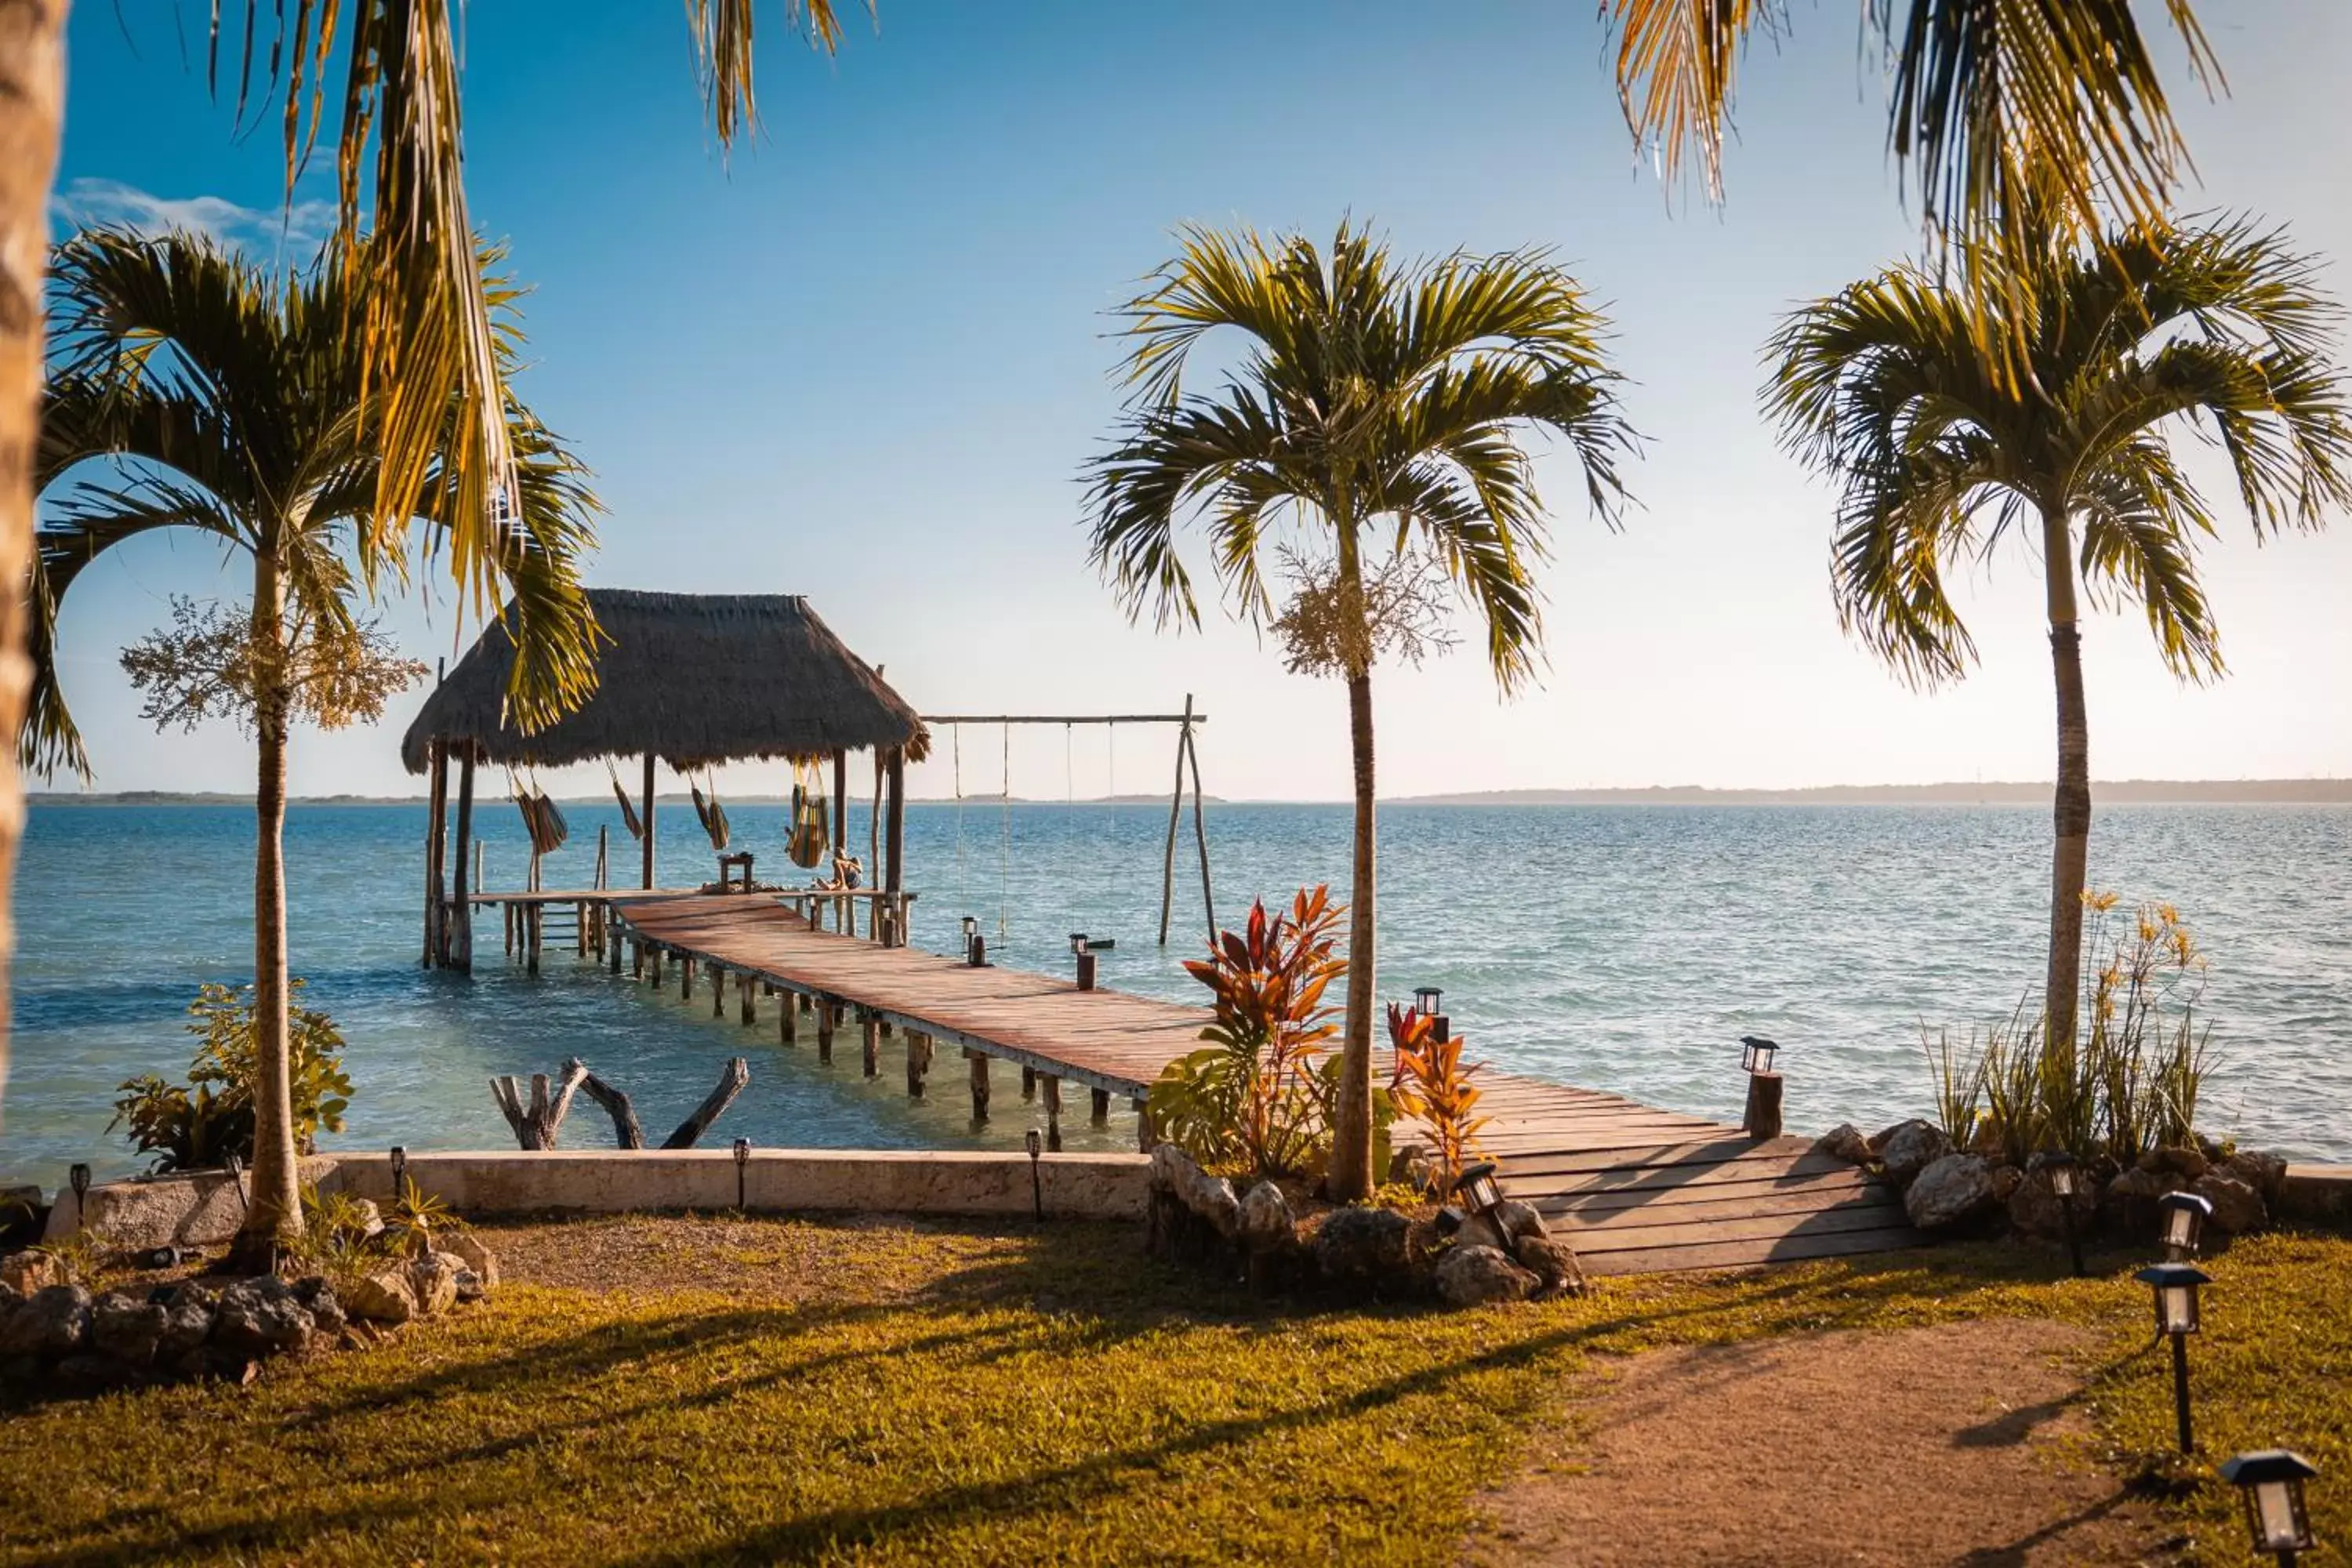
point(198, 1124)
point(1433, 1084)
point(1260, 1099)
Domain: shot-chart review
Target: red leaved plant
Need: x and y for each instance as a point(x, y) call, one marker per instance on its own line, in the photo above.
point(1433, 1084)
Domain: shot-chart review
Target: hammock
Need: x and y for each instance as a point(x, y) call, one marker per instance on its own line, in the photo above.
point(713, 814)
point(810, 831)
point(541, 819)
point(628, 808)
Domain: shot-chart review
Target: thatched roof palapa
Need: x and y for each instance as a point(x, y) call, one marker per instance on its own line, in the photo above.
point(695, 678)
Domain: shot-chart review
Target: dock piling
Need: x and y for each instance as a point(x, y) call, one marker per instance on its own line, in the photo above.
point(872, 1033)
point(978, 1064)
point(1052, 1113)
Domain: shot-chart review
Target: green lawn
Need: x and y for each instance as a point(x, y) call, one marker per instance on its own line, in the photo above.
point(941, 1395)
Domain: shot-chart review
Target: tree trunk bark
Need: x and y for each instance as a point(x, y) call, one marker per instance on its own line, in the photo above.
point(274, 1207)
point(1350, 1175)
point(32, 115)
point(2070, 859)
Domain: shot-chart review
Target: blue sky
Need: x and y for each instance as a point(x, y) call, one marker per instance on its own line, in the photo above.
point(864, 359)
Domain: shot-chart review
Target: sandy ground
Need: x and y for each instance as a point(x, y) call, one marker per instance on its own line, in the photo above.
point(1957, 1443)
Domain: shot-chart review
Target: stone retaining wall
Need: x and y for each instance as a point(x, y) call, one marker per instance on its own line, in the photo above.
point(202, 1209)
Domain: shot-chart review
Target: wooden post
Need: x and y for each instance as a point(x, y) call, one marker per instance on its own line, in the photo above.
point(1053, 1114)
point(825, 1030)
point(1763, 1118)
point(718, 989)
point(918, 1062)
point(894, 874)
point(1200, 833)
point(873, 1044)
point(686, 977)
point(788, 1019)
point(610, 935)
point(461, 949)
point(844, 913)
point(436, 834)
point(646, 843)
point(1143, 1135)
point(977, 1061)
point(1102, 1107)
point(748, 999)
point(1175, 806)
point(1028, 1083)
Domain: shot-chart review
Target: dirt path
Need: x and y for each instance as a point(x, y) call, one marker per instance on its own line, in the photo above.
point(1957, 1443)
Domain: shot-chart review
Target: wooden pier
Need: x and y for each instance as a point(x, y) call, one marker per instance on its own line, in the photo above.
point(1636, 1189)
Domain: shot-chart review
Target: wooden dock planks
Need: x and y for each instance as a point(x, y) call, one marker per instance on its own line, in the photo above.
point(1636, 1189)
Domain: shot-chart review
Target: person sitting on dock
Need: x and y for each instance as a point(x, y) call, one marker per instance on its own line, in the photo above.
point(848, 872)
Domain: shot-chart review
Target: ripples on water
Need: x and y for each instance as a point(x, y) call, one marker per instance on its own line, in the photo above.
point(1622, 948)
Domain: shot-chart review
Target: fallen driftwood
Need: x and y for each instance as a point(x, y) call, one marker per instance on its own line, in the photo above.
point(538, 1126)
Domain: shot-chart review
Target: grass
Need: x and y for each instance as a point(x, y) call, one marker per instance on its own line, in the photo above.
point(943, 1395)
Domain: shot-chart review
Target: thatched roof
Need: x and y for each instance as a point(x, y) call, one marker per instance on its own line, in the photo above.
point(695, 678)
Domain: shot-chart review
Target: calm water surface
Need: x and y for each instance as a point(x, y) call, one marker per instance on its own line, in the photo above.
point(1622, 948)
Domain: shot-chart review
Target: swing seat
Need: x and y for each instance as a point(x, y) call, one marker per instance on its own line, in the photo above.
point(727, 863)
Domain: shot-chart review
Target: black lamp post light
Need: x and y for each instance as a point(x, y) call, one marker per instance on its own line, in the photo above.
point(1083, 951)
point(2185, 1215)
point(2058, 1168)
point(77, 1178)
point(1756, 1054)
point(975, 950)
point(2177, 1316)
point(1036, 1179)
point(399, 1169)
point(2270, 1481)
point(742, 1161)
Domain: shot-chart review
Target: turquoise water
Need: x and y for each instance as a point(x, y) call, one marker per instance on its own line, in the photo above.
point(1624, 948)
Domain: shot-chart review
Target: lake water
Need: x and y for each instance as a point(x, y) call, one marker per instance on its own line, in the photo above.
point(1622, 948)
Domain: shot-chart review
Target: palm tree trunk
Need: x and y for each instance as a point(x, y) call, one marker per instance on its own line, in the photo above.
point(1350, 1177)
point(2070, 862)
point(32, 110)
point(274, 1207)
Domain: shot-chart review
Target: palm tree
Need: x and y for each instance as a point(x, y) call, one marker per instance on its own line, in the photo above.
point(227, 400)
point(1888, 389)
point(1368, 396)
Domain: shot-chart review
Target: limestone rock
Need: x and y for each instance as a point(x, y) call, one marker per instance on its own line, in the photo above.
point(1265, 1220)
point(2006, 1180)
point(2034, 1209)
point(467, 1249)
point(1483, 1230)
point(1553, 1262)
point(26, 1272)
point(1844, 1141)
point(1363, 1244)
point(2128, 1206)
point(369, 1217)
point(1954, 1189)
point(126, 1328)
point(2266, 1173)
point(318, 1297)
point(2186, 1163)
point(1172, 1168)
point(1473, 1276)
point(52, 1322)
point(433, 1279)
point(2237, 1206)
point(188, 1311)
point(470, 1288)
point(261, 1317)
point(1908, 1148)
point(22, 1213)
point(1516, 1219)
point(92, 1373)
point(382, 1297)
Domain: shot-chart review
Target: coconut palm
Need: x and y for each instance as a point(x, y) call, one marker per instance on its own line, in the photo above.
point(1941, 453)
point(192, 390)
point(1375, 412)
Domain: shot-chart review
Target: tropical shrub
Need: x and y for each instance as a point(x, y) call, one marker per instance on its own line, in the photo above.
point(2128, 1084)
point(201, 1122)
point(1258, 1101)
point(1433, 1084)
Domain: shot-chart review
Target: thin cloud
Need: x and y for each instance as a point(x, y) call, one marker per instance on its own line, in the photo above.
point(297, 231)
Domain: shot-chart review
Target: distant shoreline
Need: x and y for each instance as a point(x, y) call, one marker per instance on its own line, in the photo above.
point(2117, 792)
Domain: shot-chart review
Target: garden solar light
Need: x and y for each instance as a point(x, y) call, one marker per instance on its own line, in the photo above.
point(1078, 943)
point(1756, 1053)
point(2271, 1480)
point(2175, 1284)
point(1426, 999)
point(2185, 1215)
point(1477, 1187)
point(2057, 1166)
point(1037, 1181)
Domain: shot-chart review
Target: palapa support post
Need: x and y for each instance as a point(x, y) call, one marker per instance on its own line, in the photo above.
point(1763, 1116)
point(977, 1064)
point(918, 1062)
point(1052, 1113)
point(845, 910)
point(437, 845)
point(1102, 1107)
point(871, 1034)
point(894, 881)
point(646, 844)
point(461, 945)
